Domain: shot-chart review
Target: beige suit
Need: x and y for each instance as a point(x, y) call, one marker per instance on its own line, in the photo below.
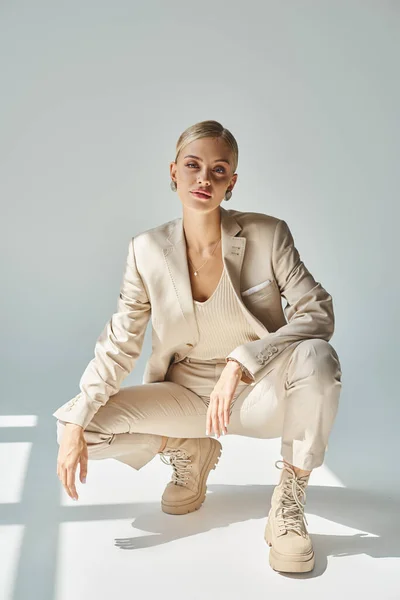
point(263, 265)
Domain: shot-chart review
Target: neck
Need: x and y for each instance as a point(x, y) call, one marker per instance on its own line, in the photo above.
point(202, 230)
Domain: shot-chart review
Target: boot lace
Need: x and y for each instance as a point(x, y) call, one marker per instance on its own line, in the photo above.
point(180, 462)
point(291, 509)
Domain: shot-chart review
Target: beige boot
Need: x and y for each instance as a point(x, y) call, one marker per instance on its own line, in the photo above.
point(291, 547)
point(192, 460)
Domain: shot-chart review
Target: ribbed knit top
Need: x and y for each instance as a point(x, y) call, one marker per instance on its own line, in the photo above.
point(221, 322)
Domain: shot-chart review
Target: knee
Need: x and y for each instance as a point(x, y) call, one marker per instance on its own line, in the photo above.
point(321, 356)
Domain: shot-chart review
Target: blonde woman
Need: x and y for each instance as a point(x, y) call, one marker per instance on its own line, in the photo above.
point(226, 357)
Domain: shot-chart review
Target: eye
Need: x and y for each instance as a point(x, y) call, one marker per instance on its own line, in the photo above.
point(191, 163)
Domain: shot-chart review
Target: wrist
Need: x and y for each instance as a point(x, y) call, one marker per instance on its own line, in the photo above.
point(73, 426)
point(234, 364)
point(246, 376)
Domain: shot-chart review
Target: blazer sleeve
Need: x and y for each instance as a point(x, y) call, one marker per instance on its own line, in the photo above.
point(116, 350)
point(309, 308)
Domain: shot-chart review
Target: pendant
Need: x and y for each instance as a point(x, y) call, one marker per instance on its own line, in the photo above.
point(195, 273)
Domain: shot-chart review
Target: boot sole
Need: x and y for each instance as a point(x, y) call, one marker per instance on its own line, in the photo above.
point(287, 564)
point(194, 503)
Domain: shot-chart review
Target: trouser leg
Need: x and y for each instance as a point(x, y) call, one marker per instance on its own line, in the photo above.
point(297, 400)
point(135, 450)
point(313, 386)
point(130, 426)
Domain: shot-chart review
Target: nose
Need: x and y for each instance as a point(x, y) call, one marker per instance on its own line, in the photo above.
point(203, 175)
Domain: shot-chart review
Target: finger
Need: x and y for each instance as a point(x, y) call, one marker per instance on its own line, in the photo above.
point(208, 421)
point(226, 412)
point(71, 481)
point(64, 479)
point(210, 416)
point(83, 465)
point(221, 413)
point(215, 418)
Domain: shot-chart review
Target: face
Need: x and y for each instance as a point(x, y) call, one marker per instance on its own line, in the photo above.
point(205, 163)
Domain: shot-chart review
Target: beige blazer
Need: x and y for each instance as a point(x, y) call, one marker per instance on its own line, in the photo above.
point(263, 265)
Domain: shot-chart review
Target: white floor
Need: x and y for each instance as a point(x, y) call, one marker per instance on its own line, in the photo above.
point(115, 542)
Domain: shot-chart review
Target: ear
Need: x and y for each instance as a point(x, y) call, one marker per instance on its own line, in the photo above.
point(233, 181)
point(172, 169)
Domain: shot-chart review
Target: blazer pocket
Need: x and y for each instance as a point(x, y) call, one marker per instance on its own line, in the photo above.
point(257, 288)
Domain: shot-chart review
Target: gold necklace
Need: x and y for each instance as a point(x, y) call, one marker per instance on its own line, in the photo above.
point(197, 270)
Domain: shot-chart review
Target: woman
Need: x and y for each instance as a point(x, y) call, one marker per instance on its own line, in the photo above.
point(224, 360)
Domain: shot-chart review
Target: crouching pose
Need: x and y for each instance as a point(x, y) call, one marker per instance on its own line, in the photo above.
point(226, 357)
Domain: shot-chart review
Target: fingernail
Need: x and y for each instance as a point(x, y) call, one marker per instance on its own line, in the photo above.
point(84, 480)
point(207, 433)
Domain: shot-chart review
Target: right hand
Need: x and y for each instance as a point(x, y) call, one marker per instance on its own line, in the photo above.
point(73, 450)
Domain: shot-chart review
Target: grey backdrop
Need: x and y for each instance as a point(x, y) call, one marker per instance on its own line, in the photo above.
point(94, 97)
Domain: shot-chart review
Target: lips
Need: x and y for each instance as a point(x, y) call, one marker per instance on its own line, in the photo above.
point(201, 193)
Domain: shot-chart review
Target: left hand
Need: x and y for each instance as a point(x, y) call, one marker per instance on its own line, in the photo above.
point(221, 398)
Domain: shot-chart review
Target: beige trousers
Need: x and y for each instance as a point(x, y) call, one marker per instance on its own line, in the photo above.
point(297, 400)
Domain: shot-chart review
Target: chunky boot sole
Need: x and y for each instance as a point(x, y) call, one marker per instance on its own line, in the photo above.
point(289, 563)
point(194, 503)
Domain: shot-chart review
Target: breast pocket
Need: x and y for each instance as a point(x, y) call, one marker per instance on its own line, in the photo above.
point(259, 291)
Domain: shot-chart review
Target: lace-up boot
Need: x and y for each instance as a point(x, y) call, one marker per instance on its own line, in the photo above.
point(286, 532)
point(192, 460)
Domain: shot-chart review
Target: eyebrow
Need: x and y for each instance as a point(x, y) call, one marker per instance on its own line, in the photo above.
point(198, 158)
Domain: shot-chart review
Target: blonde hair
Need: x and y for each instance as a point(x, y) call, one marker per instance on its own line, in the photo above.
point(208, 129)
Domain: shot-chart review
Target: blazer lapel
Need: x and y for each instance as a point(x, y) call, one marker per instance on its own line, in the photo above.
point(233, 248)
